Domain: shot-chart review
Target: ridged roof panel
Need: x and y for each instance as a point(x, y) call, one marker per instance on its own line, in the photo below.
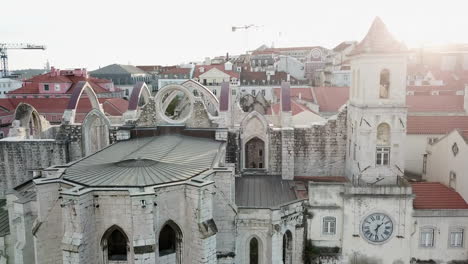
point(145, 161)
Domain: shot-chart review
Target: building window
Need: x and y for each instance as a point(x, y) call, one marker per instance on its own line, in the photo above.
point(382, 156)
point(46, 87)
point(354, 151)
point(424, 168)
point(432, 140)
point(329, 225)
point(263, 91)
point(456, 237)
point(253, 92)
point(455, 149)
point(57, 87)
point(170, 240)
point(384, 83)
point(426, 238)
point(349, 148)
point(214, 91)
point(453, 180)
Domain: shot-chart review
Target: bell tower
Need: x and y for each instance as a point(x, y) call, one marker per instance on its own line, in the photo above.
point(377, 108)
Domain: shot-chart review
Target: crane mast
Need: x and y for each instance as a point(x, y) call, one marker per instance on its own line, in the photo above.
point(4, 47)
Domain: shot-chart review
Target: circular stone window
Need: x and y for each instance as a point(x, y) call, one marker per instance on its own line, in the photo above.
point(175, 103)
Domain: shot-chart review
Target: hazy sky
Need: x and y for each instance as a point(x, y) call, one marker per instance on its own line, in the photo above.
point(94, 33)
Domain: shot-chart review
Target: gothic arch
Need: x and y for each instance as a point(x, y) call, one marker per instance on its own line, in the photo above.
point(170, 241)
point(383, 134)
point(206, 95)
point(140, 91)
point(70, 111)
point(254, 250)
point(115, 245)
point(29, 119)
point(95, 132)
point(287, 247)
point(254, 125)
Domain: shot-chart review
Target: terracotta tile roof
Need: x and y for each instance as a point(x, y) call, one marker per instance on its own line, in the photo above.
point(430, 88)
point(220, 67)
point(435, 103)
point(436, 124)
point(434, 195)
point(177, 71)
point(31, 86)
point(379, 40)
point(322, 178)
point(304, 92)
point(115, 106)
point(330, 99)
point(48, 106)
point(343, 45)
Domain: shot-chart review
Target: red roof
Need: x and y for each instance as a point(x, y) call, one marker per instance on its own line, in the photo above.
point(45, 106)
point(304, 92)
point(434, 195)
point(177, 71)
point(220, 67)
point(378, 40)
point(436, 124)
point(31, 86)
point(435, 103)
point(330, 99)
point(430, 88)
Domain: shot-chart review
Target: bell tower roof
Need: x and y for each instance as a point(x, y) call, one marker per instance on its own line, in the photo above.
point(379, 40)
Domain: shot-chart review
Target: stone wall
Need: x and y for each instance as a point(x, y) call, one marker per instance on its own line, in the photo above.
point(18, 160)
point(320, 150)
point(225, 211)
point(317, 150)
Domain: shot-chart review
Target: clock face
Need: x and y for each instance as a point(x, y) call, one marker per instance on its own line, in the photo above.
point(377, 227)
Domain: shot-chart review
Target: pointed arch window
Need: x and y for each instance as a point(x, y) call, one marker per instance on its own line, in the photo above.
point(170, 242)
point(254, 153)
point(115, 244)
point(253, 251)
point(287, 247)
point(384, 84)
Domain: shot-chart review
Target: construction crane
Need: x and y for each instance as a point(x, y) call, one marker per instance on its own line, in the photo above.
point(4, 47)
point(246, 28)
point(234, 28)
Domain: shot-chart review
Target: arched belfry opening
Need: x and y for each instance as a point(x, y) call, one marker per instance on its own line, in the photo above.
point(384, 84)
point(115, 245)
point(170, 243)
point(255, 153)
point(287, 247)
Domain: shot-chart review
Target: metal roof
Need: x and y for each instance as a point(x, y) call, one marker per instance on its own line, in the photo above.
point(263, 191)
point(4, 222)
point(118, 69)
point(145, 161)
